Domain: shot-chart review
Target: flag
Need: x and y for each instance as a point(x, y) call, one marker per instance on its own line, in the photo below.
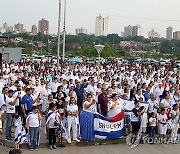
point(94, 125)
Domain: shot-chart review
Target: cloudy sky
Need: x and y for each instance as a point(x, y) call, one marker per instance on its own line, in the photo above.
point(150, 14)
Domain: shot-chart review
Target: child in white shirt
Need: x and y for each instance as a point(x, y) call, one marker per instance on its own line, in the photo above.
point(162, 119)
point(144, 121)
point(152, 124)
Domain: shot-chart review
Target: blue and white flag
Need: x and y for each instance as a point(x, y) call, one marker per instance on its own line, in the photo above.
point(94, 125)
point(128, 105)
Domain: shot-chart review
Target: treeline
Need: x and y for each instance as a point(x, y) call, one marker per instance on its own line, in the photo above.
point(83, 44)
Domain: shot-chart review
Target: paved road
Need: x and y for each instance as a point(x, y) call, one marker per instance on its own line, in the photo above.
point(107, 149)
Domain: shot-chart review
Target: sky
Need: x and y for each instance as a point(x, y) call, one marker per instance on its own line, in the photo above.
point(150, 14)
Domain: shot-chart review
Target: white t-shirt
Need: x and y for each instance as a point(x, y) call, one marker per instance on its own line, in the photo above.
point(152, 121)
point(72, 108)
point(166, 104)
point(54, 86)
point(33, 119)
point(152, 105)
point(92, 108)
point(51, 119)
point(9, 108)
point(162, 118)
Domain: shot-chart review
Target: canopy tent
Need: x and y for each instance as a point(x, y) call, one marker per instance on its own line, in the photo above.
point(76, 60)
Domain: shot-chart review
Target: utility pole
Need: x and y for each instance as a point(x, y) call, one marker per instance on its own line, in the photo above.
point(59, 31)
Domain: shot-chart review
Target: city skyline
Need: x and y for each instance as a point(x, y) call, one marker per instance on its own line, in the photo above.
point(82, 13)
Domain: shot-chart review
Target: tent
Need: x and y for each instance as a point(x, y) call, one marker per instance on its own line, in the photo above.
point(76, 60)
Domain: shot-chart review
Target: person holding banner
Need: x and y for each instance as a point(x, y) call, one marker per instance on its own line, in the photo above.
point(72, 119)
point(115, 106)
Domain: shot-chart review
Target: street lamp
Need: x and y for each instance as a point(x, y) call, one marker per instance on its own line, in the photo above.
point(99, 48)
point(59, 30)
point(64, 32)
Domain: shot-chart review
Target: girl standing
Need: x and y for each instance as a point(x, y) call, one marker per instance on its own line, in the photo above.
point(72, 119)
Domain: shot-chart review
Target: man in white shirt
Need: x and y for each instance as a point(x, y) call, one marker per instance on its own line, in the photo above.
point(92, 87)
point(54, 85)
point(10, 110)
point(159, 90)
point(18, 101)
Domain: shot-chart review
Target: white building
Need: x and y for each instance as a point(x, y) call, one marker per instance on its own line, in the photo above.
point(136, 31)
point(102, 26)
point(81, 31)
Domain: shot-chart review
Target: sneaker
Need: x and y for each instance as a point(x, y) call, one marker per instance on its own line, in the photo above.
point(54, 147)
point(61, 145)
point(8, 139)
point(31, 149)
point(50, 147)
point(69, 141)
point(35, 149)
point(77, 140)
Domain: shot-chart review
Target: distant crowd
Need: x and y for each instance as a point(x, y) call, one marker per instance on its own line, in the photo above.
point(30, 92)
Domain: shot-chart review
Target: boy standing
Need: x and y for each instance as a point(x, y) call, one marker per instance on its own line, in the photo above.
point(33, 124)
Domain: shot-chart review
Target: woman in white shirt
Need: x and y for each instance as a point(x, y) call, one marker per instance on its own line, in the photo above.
point(90, 105)
point(115, 106)
point(72, 119)
point(166, 103)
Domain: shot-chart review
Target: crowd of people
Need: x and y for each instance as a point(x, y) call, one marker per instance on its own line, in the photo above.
point(30, 91)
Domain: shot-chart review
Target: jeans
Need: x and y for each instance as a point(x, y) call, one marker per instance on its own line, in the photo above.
point(9, 121)
point(52, 137)
point(152, 131)
point(33, 131)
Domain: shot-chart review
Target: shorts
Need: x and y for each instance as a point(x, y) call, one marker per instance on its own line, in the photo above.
point(143, 129)
point(162, 129)
point(3, 116)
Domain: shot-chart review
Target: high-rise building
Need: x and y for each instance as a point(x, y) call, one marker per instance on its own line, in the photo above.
point(136, 30)
point(19, 27)
point(176, 35)
point(169, 33)
point(34, 30)
point(10, 29)
point(81, 31)
point(5, 26)
point(128, 31)
point(102, 26)
point(43, 26)
point(132, 31)
point(153, 34)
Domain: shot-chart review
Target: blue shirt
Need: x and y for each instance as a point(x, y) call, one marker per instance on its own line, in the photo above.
point(147, 96)
point(27, 101)
point(79, 93)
